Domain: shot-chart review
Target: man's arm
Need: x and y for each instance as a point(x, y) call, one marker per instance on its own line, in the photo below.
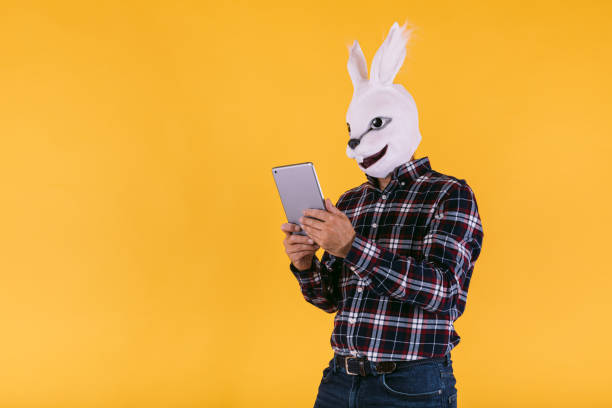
point(451, 247)
point(317, 284)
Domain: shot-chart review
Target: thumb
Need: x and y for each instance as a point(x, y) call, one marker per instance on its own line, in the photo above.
point(330, 207)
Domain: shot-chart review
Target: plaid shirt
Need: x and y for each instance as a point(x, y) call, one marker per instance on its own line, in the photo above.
point(405, 278)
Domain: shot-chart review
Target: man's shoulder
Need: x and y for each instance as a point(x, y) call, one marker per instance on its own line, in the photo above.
point(450, 187)
point(447, 181)
point(353, 193)
point(432, 180)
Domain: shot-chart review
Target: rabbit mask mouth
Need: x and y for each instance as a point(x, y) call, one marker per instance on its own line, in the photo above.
point(370, 160)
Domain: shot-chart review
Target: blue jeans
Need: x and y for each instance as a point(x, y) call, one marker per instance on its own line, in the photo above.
point(424, 384)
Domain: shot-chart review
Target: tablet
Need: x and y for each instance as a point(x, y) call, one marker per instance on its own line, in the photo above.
point(299, 189)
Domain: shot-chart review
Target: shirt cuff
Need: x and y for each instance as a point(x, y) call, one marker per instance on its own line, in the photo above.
point(363, 256)
point(308, 271)
point(311, 276)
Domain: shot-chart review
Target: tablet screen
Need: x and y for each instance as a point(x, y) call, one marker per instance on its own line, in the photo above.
point(299, 189)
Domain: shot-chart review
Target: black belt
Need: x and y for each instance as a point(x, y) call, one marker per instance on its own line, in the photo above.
point(362, 366)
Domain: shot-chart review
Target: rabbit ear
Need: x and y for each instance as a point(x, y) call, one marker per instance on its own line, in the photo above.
point(390, 56)
point(357, 66)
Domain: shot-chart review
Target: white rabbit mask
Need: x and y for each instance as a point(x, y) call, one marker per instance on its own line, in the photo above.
point(382, 117)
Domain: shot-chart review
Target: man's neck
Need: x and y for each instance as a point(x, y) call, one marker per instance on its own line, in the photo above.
point(382, 182)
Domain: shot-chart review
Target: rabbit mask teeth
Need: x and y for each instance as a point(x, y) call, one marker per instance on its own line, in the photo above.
point(382, 117)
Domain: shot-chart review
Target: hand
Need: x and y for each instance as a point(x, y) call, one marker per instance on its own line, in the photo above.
point(335, 233)
point(300, 249)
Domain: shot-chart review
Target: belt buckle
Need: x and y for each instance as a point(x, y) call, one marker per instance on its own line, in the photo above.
point(361, 367)
point(391, 366)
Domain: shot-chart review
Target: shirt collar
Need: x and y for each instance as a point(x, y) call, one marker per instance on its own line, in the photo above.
point(408, 171)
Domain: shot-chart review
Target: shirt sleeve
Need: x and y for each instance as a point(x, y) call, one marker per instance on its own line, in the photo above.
point(317, 284)
point(450, 248)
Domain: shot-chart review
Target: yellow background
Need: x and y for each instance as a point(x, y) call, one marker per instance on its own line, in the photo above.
point(141, 255)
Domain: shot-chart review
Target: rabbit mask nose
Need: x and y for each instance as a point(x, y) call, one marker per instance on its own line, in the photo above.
point(353, 143)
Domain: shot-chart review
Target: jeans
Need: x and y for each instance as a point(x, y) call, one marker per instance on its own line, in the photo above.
point(424, 384)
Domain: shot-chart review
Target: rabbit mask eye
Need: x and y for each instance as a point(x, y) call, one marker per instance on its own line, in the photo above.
point(349, 128)
point(379, 122)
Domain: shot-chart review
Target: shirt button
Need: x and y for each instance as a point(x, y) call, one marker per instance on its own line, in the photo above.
point(384, 196)
point(359, 289)
point(402, 183)
point(374, 225)
point(351, 320)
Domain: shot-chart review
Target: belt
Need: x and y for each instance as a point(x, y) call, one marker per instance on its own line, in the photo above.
point(362, 366)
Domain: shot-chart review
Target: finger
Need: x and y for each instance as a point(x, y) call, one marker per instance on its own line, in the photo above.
point(300, 255)
point(330, 207)
point(320, 214)
point(310, 251)
point(301, 247)
point(316, 224)
point(315, 234)
point(303, 241)
point(289, 227)
point(299, 239)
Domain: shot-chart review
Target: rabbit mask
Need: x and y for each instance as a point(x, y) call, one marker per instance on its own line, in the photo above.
point(382, 117)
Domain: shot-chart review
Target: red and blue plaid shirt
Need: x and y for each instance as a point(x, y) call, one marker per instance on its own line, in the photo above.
point(405, 278)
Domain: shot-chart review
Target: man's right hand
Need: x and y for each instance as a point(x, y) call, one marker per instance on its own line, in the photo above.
point(299, 248)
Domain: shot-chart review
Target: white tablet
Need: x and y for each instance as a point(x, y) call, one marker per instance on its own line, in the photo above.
point(299, 189)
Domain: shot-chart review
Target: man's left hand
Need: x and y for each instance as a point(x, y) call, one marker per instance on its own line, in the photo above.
point(335, 233)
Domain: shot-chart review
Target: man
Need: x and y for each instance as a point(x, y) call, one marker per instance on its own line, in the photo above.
point(399, 254)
